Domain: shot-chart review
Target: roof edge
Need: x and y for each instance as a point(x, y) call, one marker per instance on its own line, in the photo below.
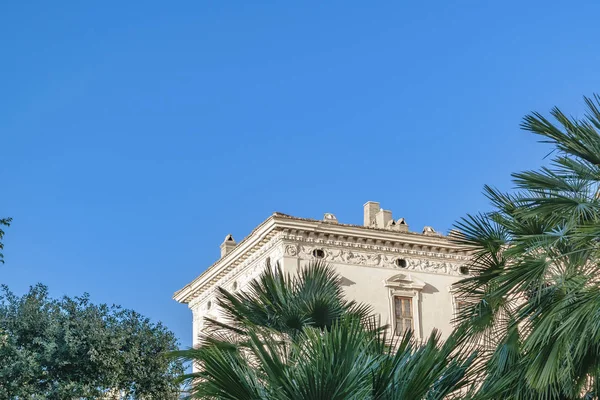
point(281, 220)
point(264, 227)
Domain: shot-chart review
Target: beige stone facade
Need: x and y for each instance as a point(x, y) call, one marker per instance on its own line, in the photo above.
point(406, 276)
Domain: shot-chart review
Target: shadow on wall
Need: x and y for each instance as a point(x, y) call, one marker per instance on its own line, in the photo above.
point(429, 289)
point(346, 282)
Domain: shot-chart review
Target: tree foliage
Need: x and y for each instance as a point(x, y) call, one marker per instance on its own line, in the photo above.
point(70, 348)
point(535, 293)
point(3, 222)
point(296, 338)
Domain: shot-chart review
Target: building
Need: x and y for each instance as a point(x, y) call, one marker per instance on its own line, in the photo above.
point(406, 276)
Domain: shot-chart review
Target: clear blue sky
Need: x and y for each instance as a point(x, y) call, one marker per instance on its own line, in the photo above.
point(135, 135)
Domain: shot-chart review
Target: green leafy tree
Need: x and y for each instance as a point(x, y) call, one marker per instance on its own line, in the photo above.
point(3, 222)
point(70, 349)
point(296, 338)
point(535, 290)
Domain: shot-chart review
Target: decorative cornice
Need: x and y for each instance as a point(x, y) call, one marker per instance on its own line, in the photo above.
point(362, 246)
point(326, 229)
point(243, 250)
point(228, 275)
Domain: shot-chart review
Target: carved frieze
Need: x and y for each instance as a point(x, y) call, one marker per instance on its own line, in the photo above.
point(378, 259)
point(337, 249)
point(291, 250)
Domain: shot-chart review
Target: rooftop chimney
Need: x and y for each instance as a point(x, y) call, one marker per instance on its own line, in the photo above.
point(227, 245)
point(376, 217)
point(382, 218)
point(371, 209)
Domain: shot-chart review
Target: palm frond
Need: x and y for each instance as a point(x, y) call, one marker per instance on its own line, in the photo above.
point(535, 289)
point(338, 350)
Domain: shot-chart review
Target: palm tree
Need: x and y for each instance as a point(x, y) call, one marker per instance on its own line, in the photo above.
point(535, 291)
point(296, 338)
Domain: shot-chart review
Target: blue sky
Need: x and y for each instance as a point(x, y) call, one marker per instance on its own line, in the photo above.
point(135, 135)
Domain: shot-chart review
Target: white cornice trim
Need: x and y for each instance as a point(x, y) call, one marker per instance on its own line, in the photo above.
point(245, 246)
point(245, 270)
point(347, 235)
point(367, 233)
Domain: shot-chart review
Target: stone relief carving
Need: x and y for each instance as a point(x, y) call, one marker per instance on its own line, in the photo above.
point(291, 250)
point(337, 249)
point(375, 259)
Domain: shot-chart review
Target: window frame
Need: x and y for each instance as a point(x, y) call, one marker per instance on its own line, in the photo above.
point(399, 300)
point(405, 285)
